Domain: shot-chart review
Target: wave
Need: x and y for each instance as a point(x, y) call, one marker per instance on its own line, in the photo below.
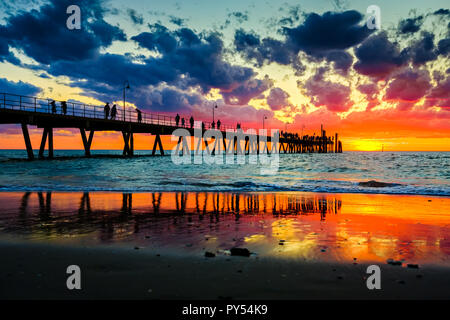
point(247, 186)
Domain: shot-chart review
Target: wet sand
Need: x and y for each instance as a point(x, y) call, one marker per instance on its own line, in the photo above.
point(152, 246)
point(36, 271)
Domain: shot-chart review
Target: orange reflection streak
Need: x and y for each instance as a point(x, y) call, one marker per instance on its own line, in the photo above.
point(291, 225)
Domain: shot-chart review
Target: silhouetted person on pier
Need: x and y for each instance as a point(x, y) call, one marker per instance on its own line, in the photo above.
point(53, 104)
point(182, 122)
point(113, 112)
point(238, 126)
point(191, 121)
point(139, 115)
point(213, 125)
point(107, 108)
point(218, 124)
point(177, 119)
point(64, 107)
point(203, 126)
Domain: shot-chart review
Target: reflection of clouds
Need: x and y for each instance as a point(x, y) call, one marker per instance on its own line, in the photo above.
point(259, 221)
point(255, 238)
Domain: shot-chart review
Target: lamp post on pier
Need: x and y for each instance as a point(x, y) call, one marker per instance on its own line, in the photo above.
point(264, 118)
point(215, 107)
point(126, 86)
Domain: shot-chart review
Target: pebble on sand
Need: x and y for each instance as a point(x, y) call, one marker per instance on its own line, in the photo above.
point(394, 262)
point(413, 266)
point(243, 252)
point(209, 254)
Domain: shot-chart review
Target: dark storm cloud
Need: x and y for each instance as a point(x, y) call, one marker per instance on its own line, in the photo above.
point(186, 59)
point(342, 60)
point(332, 95)
point(439, 96)
point(43, 35)
point(247, 90)
point(20, 88)
point(442, 12)
point(177, 21)
point(135, 17)
point(113, 69)
point(278, 99)
point(167, 99)
point(330, 31)
point(410, 25)
point(160, 39)
point(321, 37)
point(200, 57)
point(409, 85)
point(423, 50)
point(378, 56)
point(444, 46)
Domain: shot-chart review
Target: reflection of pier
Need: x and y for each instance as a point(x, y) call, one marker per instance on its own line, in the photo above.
point(45, 114)
point(155, 205)
point(114, 215)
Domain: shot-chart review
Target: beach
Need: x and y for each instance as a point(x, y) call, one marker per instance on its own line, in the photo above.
point(153, 245)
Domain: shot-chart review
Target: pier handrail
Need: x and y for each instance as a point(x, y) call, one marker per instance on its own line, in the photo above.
point(88, 111)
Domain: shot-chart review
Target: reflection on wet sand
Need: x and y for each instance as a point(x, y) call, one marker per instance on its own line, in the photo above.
point(295, 225)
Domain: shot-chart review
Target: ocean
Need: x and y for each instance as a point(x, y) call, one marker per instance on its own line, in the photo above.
point(420, 173)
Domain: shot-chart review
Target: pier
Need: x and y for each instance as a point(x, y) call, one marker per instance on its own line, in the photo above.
point(39, 112)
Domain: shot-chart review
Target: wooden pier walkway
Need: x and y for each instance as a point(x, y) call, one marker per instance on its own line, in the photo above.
point(33, 111)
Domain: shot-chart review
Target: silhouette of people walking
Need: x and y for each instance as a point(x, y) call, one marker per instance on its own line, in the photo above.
point(113, 112)
point(107, 108)
point(177, 119)
point(213, 125)
point(64, 107)
point(53, 104)
point(218, 124)
point(182, 122)
point(191, 121)
point(203, 126)
point(139, 115)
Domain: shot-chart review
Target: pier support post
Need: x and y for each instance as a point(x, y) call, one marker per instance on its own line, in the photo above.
point(87, 142)
point(131, 153)
point(336, 143)
point(128, 148)
point(43, 142)
point(26, 137)
point(50, 142)
point(159, 144)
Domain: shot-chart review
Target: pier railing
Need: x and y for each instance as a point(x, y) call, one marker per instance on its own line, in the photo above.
point(77, 109)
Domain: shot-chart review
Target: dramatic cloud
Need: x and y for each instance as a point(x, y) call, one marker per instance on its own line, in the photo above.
point(410, 25)
point(321, 37)
point(136, 18)
point(423, 50)
point(278, 99)
point(378, 56)
point(408, 87)
point(332, 95)
point(246, 91)
point(330, 31)
point(371, 91)
point(19, 88)
point(440, 95)
point(198, 57)
point(167, 100)
point(43, 34)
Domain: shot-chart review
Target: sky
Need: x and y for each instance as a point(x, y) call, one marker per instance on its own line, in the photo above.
point(298, 63)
